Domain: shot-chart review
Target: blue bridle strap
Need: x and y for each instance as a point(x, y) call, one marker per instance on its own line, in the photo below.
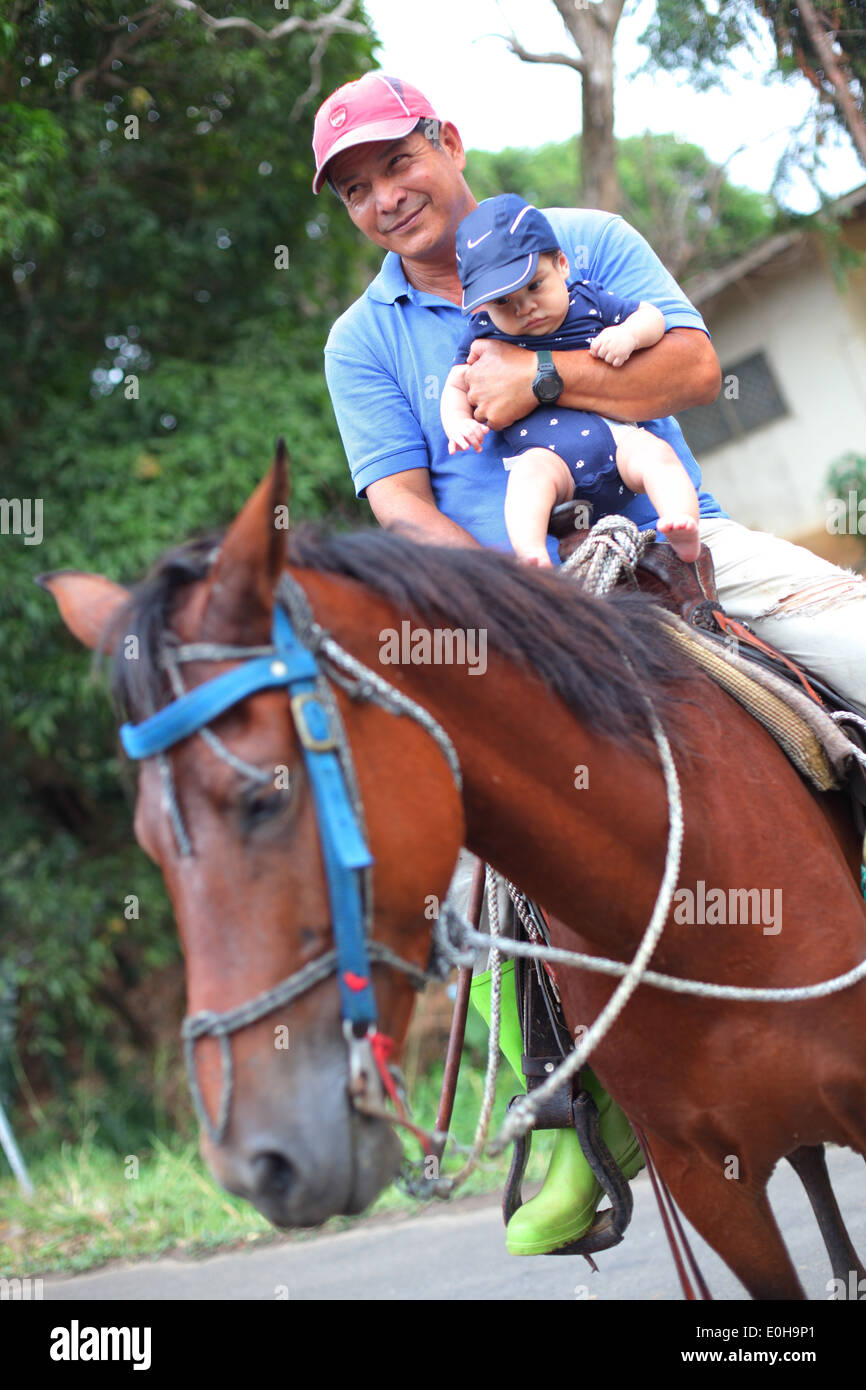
point(192, 711)
point(344, 850)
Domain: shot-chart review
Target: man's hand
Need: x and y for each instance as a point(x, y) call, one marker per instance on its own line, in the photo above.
point(499, 379)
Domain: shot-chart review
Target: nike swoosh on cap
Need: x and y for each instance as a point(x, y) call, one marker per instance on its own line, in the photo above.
point(473, 244)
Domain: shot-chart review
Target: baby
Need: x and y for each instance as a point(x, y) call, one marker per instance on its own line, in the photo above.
point(515, 276)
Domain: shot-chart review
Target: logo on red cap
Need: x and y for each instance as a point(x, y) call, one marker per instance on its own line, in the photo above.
point(338, 117)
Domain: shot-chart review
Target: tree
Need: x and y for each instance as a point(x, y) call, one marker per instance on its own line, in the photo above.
point(167, 279)
point(824, 40)
point(592, 25)
point(685, 206)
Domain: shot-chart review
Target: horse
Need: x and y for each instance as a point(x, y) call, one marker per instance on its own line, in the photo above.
point(562, 792)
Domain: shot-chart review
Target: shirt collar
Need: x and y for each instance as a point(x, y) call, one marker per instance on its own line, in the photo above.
point(391, 284)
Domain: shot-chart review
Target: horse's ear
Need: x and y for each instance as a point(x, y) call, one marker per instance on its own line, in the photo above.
point(251, 558)
point(88, 603)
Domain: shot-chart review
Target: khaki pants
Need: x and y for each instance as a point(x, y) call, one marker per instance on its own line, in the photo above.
point(811, 610)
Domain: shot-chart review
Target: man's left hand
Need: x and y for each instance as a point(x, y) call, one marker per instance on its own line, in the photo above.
point(499, 379)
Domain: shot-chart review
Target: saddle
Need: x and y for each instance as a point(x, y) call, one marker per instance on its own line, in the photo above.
point(791, 702)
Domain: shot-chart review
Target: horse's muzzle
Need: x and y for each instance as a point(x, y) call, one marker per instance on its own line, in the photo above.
point(301, 1153)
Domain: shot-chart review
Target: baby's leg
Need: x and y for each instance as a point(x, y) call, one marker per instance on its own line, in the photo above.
point(537, 482)
point(648, 464)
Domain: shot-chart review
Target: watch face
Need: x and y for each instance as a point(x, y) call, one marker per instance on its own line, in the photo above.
point(548, 388)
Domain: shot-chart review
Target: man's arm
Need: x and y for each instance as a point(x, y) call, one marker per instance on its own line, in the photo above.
point(682, 370)
point(404, 503)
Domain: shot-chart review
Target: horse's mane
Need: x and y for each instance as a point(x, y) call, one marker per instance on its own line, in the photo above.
point(576, 644)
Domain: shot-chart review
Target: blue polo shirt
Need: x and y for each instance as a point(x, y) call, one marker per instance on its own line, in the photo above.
point(387, 358)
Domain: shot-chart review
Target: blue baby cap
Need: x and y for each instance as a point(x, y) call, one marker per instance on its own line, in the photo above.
point(498, 245)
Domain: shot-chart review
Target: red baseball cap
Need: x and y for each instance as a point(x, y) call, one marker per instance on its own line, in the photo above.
point(375, 107)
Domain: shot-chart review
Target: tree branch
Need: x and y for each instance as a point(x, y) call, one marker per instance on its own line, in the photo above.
point(842, 94)
point(332, 23)
point(315, 77)
point(611, 13)
point(565, 59)
point(585, 20)
point(117, 49)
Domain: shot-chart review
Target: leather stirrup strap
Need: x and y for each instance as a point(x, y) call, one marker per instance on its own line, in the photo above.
point(742, 634)
point(673, 1229)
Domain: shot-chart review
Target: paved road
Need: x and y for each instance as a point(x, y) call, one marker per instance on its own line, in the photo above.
point(458, 1253)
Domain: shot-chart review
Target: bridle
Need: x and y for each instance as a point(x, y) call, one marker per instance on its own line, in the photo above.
point(303, 659)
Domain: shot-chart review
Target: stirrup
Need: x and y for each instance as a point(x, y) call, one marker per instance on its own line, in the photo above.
point(609, 1224)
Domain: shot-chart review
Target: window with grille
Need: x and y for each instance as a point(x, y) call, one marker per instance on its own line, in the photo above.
point(750, 398)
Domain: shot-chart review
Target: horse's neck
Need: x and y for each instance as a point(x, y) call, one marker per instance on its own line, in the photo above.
point(559, 810)
point(555, 808)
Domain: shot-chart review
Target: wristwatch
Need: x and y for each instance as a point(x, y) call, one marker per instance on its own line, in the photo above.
point(548, 384)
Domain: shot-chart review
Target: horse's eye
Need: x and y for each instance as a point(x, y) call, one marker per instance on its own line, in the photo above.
point(262, 806)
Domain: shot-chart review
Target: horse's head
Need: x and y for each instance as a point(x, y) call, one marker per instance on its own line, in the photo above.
point(236, 816)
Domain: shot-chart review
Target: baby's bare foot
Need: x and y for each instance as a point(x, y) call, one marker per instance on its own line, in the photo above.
point(682, 532)
point(536, 557)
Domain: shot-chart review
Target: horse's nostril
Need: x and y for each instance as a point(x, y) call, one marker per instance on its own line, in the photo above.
point(273, 1174)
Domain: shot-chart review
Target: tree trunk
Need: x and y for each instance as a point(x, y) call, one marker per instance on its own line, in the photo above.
point(593, 28)
point(592, 25)
point(842, 94)
point(599, 183)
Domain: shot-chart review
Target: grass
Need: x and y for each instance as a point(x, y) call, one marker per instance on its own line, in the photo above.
point(93, 1204)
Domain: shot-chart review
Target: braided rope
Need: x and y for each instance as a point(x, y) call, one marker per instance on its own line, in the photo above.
point(447, 1186)
point(522, 1115)
point(365, 684)
point(614, 544)
point(463, 941)
point(210, 1024)
point(357, 679)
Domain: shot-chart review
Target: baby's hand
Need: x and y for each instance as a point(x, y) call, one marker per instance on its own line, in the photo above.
point(614, 345)
point(682, 532)
point(467, 435)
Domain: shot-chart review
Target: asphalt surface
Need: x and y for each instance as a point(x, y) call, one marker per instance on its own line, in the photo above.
point(457, 1253)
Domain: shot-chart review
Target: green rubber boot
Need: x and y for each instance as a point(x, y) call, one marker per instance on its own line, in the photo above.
point(510, 1035)
point(564, 1209)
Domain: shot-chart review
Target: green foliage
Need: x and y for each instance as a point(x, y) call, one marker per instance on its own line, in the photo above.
point(32, 149)
point(686, 207)
point(691, 214)
point(152, 353)
point(701, 39)
point(548, 176)
point(704, 39)
point(93, 1204)
point(847, 475)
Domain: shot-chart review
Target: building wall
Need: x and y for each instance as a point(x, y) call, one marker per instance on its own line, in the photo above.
point(774, 478)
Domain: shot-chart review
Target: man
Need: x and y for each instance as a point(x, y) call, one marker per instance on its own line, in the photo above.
point(398, 170)
point(408, 194)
